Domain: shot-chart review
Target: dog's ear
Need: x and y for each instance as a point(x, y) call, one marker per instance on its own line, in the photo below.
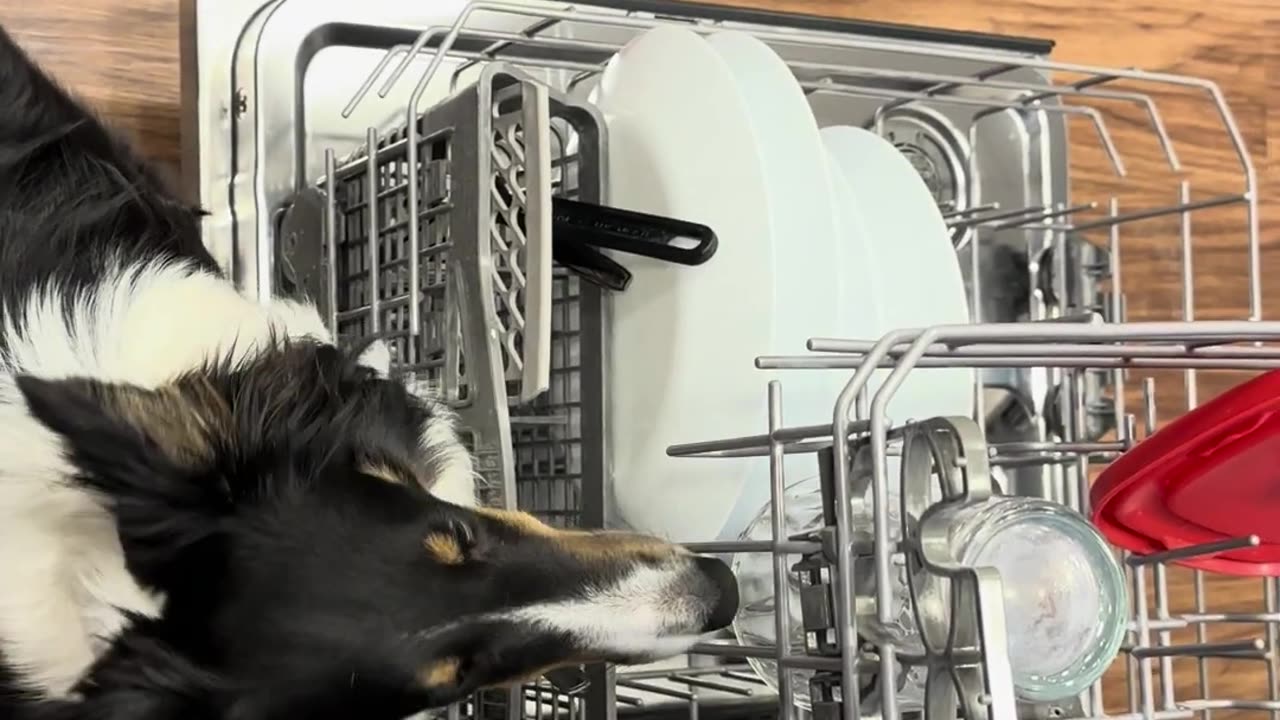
point(376, 356)
point(148, 453)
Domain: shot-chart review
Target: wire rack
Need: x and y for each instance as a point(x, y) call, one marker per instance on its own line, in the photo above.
point(438, 236)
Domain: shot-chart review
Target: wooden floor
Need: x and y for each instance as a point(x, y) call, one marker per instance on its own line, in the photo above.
point(122, 55)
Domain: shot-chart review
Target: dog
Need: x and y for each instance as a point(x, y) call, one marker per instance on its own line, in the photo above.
point(209, 510)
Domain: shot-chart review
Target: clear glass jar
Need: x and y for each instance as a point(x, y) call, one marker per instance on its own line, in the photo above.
point(1066, 607)
point(1065, 601)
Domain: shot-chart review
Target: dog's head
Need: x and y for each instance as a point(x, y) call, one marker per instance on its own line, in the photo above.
point(279, 507)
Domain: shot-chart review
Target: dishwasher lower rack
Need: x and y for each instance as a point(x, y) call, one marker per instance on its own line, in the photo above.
point(435, 233)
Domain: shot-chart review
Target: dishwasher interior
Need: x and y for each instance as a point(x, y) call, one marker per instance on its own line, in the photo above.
point(402, 163)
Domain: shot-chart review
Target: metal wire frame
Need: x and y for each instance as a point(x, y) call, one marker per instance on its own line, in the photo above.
point(1078, 345)
point(1046, 219)
point(1086, 87)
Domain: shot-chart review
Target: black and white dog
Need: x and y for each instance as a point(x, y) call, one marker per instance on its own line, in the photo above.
point(207, 510)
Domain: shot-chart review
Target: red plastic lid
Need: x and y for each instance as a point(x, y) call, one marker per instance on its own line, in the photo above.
point(1212, 474)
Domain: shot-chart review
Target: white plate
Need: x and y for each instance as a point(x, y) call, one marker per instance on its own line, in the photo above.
point(683, 339)
point(916, 268)
point(858, 288)
point(805, 238)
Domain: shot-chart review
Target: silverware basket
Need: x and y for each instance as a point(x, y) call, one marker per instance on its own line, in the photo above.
point(400, 164)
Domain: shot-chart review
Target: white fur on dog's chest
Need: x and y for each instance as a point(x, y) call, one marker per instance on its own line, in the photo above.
point(64, 587)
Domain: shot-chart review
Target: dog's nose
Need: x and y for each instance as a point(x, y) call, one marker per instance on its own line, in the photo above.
point(726, 587)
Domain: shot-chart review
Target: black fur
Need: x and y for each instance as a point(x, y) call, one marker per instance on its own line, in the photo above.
point(76, 198)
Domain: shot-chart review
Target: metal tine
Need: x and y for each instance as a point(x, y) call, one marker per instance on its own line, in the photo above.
point(655, 689)
point(375, 269)
point(1044, 459)
point(1138, 715)
point(367, 84)
point(965, 212)
point(1015, 448)
point(683, 672)
point(761, 442)
point(989, 108)
point(529, 32)
point(948, 86)
point(1218, 351)
point(1150, 419)
point(711, 685)
point(744, 677)
point(1146, 693)
point(1186, 620)
point(1099, 126)
point(950, 83)
point(1269, 617)
point(1271, 632)
point(1193, 551)
point(1160, 574)
point(1176, 209)
point(767, 652)
point(974, 219)
point(778, 530)
point(1250, 649)
point(1047, 361)
point(1019, 334)
point(1205, 704)
point(791, 547)
point(1049, 214)
point(628, 700)
point(331, 236)
point(1153, 112)
point(536, 692)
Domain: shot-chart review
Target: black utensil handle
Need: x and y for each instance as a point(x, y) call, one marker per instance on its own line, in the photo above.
point(590, 264)
point(661, 238)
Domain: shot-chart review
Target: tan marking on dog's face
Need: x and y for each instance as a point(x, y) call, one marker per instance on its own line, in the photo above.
point(440, 673)
point(444, 549)
point(524, 522)
point(587, 545)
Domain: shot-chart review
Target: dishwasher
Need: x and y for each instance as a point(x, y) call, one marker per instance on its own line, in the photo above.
point(315, 132)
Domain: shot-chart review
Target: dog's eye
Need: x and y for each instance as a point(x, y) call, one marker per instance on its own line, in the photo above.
point(453, 543)
point(463, 533)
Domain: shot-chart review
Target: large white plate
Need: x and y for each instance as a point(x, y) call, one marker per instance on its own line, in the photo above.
point(806, 241)
point(683, 339)
point(917, 273)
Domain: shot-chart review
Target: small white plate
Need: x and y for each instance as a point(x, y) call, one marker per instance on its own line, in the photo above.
point(917, 273)
point(683, 340)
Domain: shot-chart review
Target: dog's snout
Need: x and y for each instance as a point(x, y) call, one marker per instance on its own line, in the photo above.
point(725, 587)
